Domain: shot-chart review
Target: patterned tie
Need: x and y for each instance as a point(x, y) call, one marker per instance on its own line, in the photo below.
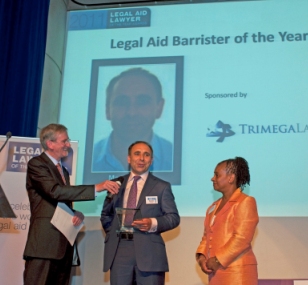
point(61, 172)
point(131, 201)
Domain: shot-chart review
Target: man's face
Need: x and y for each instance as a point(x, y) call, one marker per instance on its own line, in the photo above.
point(59, 148)
point(134, 107)
point(140, 158)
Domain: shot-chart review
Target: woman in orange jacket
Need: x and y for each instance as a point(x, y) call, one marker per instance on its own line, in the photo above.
point(225, 252)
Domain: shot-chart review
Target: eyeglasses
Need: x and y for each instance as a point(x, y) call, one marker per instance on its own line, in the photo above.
point(63, 142)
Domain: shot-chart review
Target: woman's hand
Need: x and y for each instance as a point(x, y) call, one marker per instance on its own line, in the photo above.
point(202, 262)
point(213, 264)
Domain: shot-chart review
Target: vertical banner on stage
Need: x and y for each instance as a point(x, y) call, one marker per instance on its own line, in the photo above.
point(13, 231)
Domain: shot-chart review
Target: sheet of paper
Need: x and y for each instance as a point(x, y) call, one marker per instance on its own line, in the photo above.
point(62, 220)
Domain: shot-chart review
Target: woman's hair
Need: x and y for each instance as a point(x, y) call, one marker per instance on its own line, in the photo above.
point(239, 167)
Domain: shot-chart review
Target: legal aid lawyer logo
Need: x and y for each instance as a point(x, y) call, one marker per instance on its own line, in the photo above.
point(221, 131)
point(129, 18)
point(19, 154)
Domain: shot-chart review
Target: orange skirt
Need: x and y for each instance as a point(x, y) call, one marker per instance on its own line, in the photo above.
point(235, 275)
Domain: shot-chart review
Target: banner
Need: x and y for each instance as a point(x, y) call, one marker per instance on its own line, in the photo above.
point(13, 231)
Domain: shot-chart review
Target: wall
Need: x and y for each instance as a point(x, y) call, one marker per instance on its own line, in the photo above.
point(51, 88)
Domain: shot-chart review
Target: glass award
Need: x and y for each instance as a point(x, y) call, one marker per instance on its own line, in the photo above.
point(125, 218)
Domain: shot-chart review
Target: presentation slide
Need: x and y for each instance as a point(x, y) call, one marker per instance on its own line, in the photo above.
point(202, 82)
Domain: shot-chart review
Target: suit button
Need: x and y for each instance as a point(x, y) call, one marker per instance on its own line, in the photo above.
point(210, 246)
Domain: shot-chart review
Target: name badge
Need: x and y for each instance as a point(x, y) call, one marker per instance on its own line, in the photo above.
point(151, 200)
point(212, 209)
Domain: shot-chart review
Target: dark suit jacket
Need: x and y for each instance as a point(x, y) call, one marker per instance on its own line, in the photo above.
point(149, 247)
point(45, 189)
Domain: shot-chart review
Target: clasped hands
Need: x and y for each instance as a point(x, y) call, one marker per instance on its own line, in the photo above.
point(209, 265)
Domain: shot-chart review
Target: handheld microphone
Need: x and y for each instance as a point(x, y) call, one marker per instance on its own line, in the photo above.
point(119, 180)
point(8, 136)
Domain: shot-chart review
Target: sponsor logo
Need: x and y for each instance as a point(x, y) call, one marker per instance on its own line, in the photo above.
point(273, 129)
point(222, 130)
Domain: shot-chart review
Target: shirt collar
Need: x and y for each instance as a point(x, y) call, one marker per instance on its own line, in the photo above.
point(53, 159)
point(143, 176)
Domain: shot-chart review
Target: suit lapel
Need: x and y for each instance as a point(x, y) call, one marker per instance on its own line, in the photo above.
point(212, 211)
point(235, 196)
point(147, 188)
point(120, 195)
point(54, 169)
point(66, 175)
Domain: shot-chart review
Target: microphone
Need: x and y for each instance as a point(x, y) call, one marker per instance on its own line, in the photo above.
point(8, 136)
point(119, 180)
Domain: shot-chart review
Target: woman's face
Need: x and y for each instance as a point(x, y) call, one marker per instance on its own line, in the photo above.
point(221, 179)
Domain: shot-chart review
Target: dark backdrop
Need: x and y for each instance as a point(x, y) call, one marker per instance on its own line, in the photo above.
point(23, 30)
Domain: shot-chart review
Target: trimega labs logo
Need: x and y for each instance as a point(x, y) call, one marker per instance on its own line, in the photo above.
point(222, 130)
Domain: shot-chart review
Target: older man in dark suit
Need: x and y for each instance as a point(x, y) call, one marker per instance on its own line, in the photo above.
point(48, 253)
point(139, 257)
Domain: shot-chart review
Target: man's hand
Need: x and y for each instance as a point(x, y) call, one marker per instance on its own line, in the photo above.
point(143, 225)
point(107, 185)
point(78, 218)
point(202, 262)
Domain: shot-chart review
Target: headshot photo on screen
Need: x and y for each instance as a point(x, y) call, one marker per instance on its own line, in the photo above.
point(128, 109)
point(134, 99)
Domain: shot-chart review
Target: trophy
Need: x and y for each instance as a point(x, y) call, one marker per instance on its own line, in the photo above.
point(125, 218)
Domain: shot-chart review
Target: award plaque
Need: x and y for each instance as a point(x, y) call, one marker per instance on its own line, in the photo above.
point(125, 218)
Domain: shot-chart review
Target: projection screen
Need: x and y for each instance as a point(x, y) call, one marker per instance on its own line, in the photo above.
point(234, 80)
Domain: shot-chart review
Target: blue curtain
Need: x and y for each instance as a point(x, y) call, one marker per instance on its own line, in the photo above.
point(23, 30)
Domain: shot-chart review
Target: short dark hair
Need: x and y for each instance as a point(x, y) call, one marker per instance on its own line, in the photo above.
point(239, 167)
point(50, 132)
point(138, 71)
point(144, 142)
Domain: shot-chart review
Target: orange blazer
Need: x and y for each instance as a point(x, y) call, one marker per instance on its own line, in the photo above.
point(228, 235)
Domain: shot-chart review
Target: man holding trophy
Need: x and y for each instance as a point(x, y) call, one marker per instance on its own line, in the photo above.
point(133, 221)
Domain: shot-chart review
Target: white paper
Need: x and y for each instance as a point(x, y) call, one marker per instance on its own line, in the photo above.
point(62, 220)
